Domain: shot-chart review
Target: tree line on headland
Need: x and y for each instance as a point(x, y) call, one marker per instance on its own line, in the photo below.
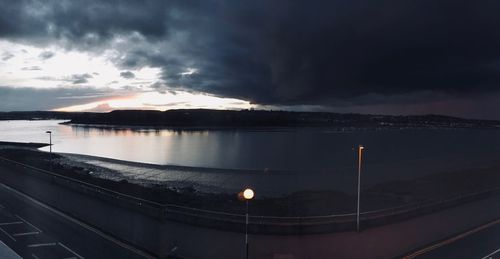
point(252, 118)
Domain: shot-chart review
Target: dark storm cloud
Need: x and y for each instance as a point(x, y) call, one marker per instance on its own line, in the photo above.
point(283, 52)
point(127, 74)
point(79, 78)
point(6, 56)
point(308, 53)
point(80, 22)
point(46, 55)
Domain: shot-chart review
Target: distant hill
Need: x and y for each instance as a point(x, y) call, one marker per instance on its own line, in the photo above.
point(37, 115)
point(203, 118)
point(260, 118)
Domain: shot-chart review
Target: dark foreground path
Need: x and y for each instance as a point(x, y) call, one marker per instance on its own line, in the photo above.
point(479, 242)
point(34, 230)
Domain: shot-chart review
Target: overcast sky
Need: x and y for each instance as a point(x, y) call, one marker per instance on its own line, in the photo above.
point(392, 57)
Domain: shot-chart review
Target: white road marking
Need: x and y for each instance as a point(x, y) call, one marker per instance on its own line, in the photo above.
point(25, 221)
point(26, 233)
point(77, 222)
point(5, 232)
point(490, 255)
point(34, 256)
point(11, 223)
point(73, 252)
point(42, 244)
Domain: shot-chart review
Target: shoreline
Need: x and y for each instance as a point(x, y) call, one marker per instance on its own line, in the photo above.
point(34, 145)
point(292, 128)
point(178, 185)
point(181, 167)
point(299, 212)
point(187, 193)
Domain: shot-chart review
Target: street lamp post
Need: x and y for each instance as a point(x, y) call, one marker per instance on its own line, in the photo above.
point(248, 194)
point(360, 157)
point(50, 141)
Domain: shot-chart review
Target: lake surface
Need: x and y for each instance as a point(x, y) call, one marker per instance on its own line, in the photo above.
point(389, 154)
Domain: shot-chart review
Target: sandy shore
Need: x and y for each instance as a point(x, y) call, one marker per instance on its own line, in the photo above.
point(206, 189)
point(268, 183)
point(278, 193)
point(31, 145)
point(282, 185)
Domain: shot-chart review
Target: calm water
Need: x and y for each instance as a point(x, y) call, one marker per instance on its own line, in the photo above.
point(394, 154)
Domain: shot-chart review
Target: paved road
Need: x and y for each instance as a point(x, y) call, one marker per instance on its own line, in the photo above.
point(34, 230)
point(480, 242)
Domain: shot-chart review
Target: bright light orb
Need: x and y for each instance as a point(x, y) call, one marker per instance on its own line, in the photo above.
point(248, 194)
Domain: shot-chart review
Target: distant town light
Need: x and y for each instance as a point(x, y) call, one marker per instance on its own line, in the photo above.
point(248, 194)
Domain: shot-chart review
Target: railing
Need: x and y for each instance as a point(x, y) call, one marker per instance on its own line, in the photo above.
point(259, 224)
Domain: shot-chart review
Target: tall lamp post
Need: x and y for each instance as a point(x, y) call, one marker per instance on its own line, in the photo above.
point(360, 158)
point(50, 141)
point(248, 194)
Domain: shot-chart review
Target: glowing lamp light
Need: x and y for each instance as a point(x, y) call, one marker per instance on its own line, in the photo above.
point(248, 194)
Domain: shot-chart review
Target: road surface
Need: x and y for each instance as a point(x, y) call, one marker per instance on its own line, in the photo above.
point(479, 242)
point(35, 230)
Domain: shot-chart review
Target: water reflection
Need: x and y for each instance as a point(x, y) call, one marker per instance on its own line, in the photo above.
point(390, 153)
point(107, 131)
